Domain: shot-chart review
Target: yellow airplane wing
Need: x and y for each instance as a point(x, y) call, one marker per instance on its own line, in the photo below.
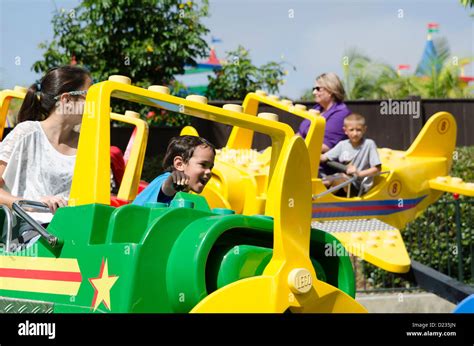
point(370, 239)
point(452, 184)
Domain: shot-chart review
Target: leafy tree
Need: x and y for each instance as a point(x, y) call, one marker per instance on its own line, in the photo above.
point(307, 95)
point(442, 78)
point(239, 77)
point(366, 79)
point(467, 3)
point(149, 41)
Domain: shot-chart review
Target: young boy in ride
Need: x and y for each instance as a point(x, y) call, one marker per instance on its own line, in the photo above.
point(358, 153)
point(188, 163)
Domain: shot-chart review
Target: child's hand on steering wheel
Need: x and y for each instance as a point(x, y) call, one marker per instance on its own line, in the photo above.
point(352, 170)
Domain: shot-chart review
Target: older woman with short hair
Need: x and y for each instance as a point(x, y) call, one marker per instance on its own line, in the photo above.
point(329, 95)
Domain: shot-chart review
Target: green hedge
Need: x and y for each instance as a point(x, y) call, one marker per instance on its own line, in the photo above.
point(152, 167)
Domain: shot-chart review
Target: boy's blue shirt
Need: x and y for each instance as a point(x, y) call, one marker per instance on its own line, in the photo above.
point(152, 192)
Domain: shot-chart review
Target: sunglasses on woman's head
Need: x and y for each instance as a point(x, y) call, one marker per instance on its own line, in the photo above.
point(73, 93)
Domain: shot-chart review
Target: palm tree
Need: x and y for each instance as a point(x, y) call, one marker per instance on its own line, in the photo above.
point(439, 76)
point(467, 3)
point(366, 79)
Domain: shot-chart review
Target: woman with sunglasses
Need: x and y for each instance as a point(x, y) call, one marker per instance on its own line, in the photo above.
point(329, 96)
point(37, 157)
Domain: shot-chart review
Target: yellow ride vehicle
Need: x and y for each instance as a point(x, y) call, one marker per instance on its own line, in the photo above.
point(283, 275)
point(367, 225)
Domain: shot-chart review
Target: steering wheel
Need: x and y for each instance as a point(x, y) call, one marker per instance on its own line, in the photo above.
point(337, 166)
point(17, 207)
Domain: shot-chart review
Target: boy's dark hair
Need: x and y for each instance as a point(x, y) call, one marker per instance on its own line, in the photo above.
point(183, 146)
point(39, 100)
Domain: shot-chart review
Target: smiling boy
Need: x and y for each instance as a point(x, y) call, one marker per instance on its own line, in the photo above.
point(358, 153)
point(188, 164)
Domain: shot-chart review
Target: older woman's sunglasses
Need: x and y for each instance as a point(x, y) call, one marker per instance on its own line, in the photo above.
point(317, 88)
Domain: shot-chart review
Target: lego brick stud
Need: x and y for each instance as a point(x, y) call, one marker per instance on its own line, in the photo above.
point(159, 89)
point(120, 79)
point(314, 111)
point(268, 116)
point(233, 107)
point(300, 107)
point(20, 89)
point(197, 98)
point(299, 281)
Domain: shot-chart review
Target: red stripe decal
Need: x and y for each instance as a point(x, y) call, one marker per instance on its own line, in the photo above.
point(40, 274)
point(380, 207)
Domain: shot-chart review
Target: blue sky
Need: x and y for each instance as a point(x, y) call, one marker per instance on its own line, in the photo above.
point(310, 34)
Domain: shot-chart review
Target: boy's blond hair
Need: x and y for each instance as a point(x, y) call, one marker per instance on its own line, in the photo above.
point(356, 118)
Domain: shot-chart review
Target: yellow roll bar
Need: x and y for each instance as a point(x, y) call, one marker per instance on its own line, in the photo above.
point(5, 97)
point(93, 158)
point(133, 170)
point(242, 138)
point(131, 178)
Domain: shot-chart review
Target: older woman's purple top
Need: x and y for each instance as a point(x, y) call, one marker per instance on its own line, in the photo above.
point(334, 122)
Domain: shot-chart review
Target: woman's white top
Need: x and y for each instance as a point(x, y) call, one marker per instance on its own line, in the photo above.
point(34, 167)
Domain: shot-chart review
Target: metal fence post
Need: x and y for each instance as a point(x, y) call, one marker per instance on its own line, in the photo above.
point(458, 236)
